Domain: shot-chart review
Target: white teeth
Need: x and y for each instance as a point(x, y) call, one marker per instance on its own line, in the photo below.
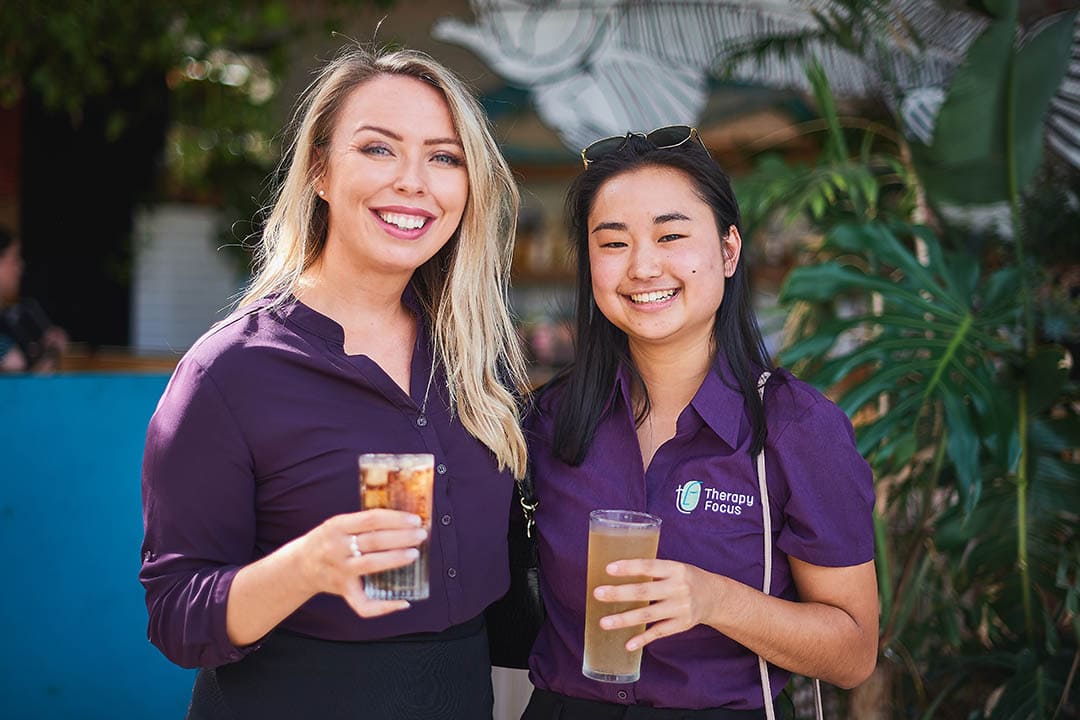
point(651, 297)
point(405, 222)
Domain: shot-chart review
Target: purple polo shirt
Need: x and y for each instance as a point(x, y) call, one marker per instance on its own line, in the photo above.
point(820, 494)
point(255, 441)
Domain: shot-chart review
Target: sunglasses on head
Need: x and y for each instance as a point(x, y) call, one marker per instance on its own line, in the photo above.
point(663, 138)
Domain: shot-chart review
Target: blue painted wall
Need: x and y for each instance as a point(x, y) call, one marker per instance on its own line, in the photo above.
point(72, 618)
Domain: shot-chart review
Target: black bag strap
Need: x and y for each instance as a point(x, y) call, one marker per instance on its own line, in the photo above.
point(528, 499)
point(526, 491)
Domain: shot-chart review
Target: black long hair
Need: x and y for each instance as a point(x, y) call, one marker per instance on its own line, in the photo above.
point(601, 347)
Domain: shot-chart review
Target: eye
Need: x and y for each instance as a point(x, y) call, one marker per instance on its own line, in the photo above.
point(376, 150)
point(448, 158)
point(669, 237)
point(613, 244)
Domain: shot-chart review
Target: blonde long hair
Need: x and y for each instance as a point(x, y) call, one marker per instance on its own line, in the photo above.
point(463, 289)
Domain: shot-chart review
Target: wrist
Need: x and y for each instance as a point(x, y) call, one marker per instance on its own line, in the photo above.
point(720, 602)
point(294, 555)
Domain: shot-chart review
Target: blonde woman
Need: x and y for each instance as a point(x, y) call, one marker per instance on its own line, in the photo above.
point(376, 323)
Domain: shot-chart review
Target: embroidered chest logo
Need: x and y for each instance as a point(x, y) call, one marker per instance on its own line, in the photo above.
point(687, 496)
point(690, 494)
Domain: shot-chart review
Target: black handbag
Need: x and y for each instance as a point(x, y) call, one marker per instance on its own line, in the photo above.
point(514, 620)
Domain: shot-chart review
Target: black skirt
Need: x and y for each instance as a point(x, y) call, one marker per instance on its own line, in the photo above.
point(547, 705)
point(429, 676)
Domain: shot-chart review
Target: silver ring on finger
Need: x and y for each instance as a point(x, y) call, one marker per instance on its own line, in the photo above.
point(354, 546)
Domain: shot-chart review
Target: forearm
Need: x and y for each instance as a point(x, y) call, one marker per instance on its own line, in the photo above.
point(264, 593)
point(809, 638)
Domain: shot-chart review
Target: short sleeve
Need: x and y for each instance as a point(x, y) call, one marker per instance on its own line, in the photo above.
point(199, 516)
point(828, 508)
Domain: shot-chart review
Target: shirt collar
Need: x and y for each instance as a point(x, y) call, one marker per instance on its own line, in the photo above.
point(293, 310)
point(719, 402)
point(620, 388)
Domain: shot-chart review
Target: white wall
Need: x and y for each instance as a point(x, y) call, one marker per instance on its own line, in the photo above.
point(182, 283)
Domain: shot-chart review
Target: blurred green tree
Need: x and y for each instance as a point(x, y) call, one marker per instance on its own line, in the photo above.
point(125, 103)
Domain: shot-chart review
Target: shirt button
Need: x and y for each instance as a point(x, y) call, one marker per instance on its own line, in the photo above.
point(441, 469)
point(421, 421)
point(446, 520)
point(452, 572)
point(622, 694)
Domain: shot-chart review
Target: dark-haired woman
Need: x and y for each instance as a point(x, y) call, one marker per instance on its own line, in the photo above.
point(661, 413)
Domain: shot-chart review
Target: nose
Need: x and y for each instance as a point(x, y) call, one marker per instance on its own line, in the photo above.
point(411, 178)
point(644, 261)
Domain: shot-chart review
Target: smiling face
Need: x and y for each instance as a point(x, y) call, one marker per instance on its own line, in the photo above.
point(657, 260)
point(394, 177)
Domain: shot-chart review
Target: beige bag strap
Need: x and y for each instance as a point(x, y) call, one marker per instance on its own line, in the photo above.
point(766, 585)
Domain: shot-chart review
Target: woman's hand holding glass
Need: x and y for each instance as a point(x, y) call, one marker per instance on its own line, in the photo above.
point(334, 556)
point(680, 596)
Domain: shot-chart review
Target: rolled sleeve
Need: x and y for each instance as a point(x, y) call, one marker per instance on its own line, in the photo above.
point(199, 517)
point(828, 513)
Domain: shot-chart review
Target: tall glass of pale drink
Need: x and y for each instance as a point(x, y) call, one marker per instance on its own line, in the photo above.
point(615, 535)
point(399, 482)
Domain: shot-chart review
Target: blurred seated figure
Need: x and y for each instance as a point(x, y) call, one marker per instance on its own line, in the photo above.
point(29, 342)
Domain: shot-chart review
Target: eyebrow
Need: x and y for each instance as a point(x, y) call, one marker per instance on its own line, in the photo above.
point(658, 220)
point(394, 136)
point(669, 217)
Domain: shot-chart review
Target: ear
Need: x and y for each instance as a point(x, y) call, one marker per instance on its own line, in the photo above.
point(731, 247)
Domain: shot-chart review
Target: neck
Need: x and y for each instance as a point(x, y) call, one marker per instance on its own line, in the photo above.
point(672, 372)
point(350, 296)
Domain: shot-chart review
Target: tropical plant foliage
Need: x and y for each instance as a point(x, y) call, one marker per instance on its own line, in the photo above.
point(221, 65)
point(948, 352)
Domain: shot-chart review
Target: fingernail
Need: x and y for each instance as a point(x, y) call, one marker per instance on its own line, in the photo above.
point(631, 646)
point(421, 535)
point(605, 623)
point(414, 520)
point(413, 553)
point(612, 568)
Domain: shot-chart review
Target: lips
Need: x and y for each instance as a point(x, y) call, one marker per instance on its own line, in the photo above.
point(403, 222)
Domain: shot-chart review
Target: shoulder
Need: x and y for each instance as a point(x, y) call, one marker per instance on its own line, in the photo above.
point(232, 342)
point(223, 370)
point(228, 359)
point(791, 404)
point(539, 420)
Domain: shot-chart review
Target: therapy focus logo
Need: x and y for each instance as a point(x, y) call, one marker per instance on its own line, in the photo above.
point(689, 495)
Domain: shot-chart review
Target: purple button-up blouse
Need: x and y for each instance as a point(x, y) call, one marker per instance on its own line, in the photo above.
point(703, 484)
point(255, 441)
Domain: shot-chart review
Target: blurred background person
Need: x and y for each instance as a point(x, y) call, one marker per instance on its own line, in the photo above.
point(29, 342)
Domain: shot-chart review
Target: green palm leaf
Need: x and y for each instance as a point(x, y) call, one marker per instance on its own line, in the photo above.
point(929, 344)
